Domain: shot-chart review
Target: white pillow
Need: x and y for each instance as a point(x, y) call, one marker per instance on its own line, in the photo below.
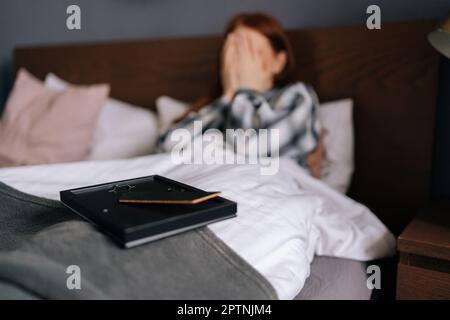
point(336, 118)
point(169, 109)
point(122, 131)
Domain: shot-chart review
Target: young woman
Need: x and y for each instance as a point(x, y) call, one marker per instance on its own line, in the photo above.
point(256, 90)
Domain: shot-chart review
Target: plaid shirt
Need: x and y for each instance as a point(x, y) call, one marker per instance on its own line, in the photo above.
point(293, 110)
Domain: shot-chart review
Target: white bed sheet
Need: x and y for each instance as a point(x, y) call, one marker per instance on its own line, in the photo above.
point(282, 220)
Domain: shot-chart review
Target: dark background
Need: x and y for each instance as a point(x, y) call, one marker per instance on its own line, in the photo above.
point(31, 22)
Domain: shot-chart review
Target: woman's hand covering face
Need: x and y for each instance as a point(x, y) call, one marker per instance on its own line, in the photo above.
point(246, 62)
point(230, 78)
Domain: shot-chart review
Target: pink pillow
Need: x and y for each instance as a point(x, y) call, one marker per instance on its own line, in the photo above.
point(41, 126)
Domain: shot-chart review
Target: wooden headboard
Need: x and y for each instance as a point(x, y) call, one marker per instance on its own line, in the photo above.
point(391, 74)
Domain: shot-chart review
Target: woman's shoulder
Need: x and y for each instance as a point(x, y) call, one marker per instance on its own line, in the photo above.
point(295, 88)
point(297, 85)
point(295, 93)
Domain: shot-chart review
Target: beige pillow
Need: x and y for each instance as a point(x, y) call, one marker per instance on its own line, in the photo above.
point(41, 125)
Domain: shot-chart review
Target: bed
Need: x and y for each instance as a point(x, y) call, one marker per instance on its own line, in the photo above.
point(392, 157)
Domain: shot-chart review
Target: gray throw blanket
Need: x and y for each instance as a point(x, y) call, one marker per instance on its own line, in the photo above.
point(40, 239)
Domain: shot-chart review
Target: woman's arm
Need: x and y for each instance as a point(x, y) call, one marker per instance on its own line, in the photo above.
point(292, 111)
point(210, 116)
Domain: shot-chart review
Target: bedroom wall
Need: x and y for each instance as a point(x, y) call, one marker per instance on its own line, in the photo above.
point(25, 22)
point(30, 22)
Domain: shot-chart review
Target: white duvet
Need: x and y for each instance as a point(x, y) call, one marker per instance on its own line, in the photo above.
point(282, 220)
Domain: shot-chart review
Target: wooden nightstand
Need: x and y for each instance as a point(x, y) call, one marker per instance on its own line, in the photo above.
point(424, 247)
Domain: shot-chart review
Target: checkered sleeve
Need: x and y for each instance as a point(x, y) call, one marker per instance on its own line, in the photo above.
point(293, 110)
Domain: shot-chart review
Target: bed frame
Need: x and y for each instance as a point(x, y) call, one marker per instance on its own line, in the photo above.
point(390, 73)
